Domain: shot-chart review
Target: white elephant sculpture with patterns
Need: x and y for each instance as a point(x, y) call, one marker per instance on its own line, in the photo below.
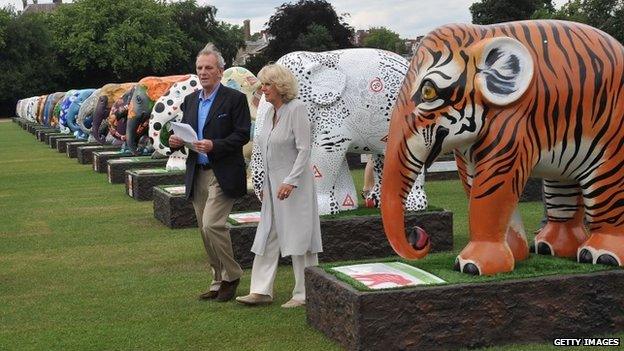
point(349, 95)
point(167, 109)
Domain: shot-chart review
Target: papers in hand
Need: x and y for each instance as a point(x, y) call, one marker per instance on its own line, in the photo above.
point(186, 133)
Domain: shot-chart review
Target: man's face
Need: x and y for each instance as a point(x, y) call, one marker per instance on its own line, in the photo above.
point(208, 71)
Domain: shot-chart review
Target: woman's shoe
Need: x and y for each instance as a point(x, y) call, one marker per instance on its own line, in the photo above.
point(254, 299)
point(293, 303)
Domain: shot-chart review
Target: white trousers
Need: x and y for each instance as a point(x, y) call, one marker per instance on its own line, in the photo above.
point(264, 269)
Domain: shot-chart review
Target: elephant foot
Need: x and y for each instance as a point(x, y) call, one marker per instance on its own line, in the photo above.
point(518, 244)
point(561, 239)
point(485, 258)
point(602, 249)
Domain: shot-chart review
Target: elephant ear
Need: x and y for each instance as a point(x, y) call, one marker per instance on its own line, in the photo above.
point(326, 84)
point(505, 70)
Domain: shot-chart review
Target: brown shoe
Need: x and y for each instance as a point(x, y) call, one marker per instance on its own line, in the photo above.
point(227, 291)
point(209, 295)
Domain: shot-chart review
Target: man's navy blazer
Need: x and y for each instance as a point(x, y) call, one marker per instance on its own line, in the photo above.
point(228, 125)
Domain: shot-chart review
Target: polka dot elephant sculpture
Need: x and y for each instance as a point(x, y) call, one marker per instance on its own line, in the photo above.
point(541, 98)
point(349, 95)
point(167, 109)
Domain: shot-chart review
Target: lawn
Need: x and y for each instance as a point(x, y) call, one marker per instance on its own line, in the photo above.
point(85, 267)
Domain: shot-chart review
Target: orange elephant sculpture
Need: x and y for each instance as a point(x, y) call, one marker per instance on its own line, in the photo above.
point(541, 98)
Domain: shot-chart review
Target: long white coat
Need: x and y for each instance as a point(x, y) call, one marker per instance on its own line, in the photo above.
point(285, 151)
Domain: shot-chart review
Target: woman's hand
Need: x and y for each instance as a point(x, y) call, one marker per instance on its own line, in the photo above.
point(175, 141)
point(284, 191)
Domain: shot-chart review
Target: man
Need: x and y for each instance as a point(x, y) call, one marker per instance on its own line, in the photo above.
point(215, 171)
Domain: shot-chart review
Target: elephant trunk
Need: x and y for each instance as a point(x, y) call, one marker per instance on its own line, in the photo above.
point(401, 168)
point(134, 130)
point(100, 113)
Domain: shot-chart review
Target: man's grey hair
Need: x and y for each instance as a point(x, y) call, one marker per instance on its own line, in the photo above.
point(210, 49)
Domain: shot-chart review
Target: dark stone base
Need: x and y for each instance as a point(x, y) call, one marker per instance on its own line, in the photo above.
point(54, 142)
point(100, 158)
point(446, 175)
point(53, 139)
point(41, 133)
point(176, 212)
point(355, 160)
point(117, 168)
point(532, 190)
point(61, 144)
point(355, 238)
point(72, 148)
point(140, 182)
point(466, 315)
point(85, 153)
point(27, 124)
point(47, 137)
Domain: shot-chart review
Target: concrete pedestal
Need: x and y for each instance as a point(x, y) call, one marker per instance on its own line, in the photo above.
point(460, 316)
point(116, 168)
point(72, 148)
point(54, 141)
point(140, 182)
point(61, 144)
point(85, 153)
point(100, 158)
point(41, 133)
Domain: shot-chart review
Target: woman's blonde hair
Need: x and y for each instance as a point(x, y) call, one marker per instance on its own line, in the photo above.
point(284, 81)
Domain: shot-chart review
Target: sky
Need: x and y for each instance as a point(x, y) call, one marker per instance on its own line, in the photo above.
point(409, 18)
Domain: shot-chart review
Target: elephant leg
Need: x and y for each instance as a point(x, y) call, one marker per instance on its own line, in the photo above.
point(605, 217)
point(373, 198)
point(515, 235)
point(345, 189)
point(325, 167)
point(564, 232)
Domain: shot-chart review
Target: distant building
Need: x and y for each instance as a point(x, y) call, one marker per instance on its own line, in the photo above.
point(35, 7)
point(252, 47)
point(412, 44)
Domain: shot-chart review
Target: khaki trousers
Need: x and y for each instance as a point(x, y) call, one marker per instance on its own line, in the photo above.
point(212, 208)
point(264, 269)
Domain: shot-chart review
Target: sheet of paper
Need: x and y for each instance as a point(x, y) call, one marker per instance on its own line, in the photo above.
point(186, 133)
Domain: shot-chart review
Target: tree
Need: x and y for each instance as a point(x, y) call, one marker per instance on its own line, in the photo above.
point(497, 11)
point(383, 38)
point(289, 28)
point(316, 38)
point(606, 15)
point(104, 41)
point(200, 27)
point(27, 58)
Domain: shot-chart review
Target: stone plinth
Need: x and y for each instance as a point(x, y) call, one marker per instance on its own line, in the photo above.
point(61, 144)
point(72, 148)
point(172, 209)
point(139, 182)
point(41, 133)
point(85, 153)
point(54, 141)
point(101, 158)
point(116, 168)
point(458, 316)
point(47, 137)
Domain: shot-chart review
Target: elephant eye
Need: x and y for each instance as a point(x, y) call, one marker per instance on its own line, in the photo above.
point(428, 92)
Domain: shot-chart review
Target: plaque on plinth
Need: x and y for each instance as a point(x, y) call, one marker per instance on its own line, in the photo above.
point(85, 153)
point(72, 148)
point(100, 158)
point(116, 168)
point(139, 182)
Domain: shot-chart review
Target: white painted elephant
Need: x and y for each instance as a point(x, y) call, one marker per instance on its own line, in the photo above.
point(167, 109)
point(350, 95)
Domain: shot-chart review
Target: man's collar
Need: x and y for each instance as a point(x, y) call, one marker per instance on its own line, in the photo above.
point(212, 94)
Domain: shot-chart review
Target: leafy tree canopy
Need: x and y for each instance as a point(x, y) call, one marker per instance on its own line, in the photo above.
point(497, 11)
point(296, 25)
point(383, 38)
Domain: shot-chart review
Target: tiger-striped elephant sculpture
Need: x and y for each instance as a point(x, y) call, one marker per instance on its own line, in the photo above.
point(541, 98)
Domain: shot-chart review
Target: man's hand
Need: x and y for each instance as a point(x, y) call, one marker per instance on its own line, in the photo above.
point(203, 146)
point(175, 142)
point(284, 191)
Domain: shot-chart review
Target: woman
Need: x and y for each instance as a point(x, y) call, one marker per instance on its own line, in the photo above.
point(289, 221)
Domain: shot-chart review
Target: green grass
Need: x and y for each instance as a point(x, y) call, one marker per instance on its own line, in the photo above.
point(85, 267)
